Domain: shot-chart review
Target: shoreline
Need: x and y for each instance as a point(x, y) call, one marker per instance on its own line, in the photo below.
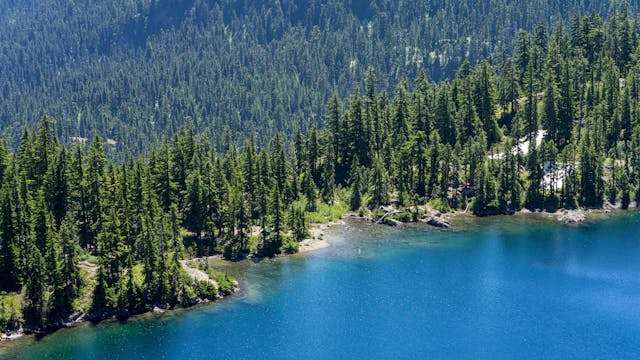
point(430, 216)
point(82, 319)
point(317, 241)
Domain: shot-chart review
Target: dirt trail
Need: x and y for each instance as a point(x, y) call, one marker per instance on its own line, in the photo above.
point(91, 268)
point(198, 274)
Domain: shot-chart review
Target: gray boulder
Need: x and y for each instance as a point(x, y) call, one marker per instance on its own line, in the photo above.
point(572, 216)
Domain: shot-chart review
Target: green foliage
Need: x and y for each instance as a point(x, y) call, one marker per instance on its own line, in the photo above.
point(227, 285)
point(327, 212)
point(404, 216)
point(10, 313)
point(206, 290)
point(290, 246)
point(440, 205)
point(67, 210)
point(123, 70)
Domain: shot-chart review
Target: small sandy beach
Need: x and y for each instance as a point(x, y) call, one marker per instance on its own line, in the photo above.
point(317, 241)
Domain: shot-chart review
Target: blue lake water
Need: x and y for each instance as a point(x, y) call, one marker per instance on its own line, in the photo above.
point(507, 287)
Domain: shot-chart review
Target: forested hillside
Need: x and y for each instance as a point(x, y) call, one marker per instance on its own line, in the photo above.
point(555, 125)
point(132, 71)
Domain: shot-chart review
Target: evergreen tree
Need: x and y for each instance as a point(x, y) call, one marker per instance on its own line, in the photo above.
point(35, 307)
point(485, 103)
point(95, 179)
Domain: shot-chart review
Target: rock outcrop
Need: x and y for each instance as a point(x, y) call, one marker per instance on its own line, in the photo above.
point(437, 222)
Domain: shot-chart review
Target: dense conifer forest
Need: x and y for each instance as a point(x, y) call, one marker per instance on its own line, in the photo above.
point(553, 125)
point(133, 71)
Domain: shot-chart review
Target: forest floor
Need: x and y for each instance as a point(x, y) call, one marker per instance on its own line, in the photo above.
point(88, 272)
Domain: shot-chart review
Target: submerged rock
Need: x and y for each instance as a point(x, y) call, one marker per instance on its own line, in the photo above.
point(73, 319)
point(436, 221)
point(12, 335)
point(489, 211)
point(572, 216)
point(392, 222)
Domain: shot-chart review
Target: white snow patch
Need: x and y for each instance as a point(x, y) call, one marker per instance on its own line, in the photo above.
point(523, 146)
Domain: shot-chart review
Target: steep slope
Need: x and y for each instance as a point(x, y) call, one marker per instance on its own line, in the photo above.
point(136, 70)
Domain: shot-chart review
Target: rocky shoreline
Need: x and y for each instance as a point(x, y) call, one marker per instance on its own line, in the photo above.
point(76, 319)
point(387, 216)
point(424, 214)
point(392, 216)
point(576, 216)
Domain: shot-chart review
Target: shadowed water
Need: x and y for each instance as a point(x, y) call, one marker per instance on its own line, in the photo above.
point(507, 287)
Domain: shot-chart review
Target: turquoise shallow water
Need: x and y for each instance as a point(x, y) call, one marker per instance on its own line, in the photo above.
point(507, 287)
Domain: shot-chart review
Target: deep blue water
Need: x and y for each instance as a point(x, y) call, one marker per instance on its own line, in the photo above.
point(506, 287)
